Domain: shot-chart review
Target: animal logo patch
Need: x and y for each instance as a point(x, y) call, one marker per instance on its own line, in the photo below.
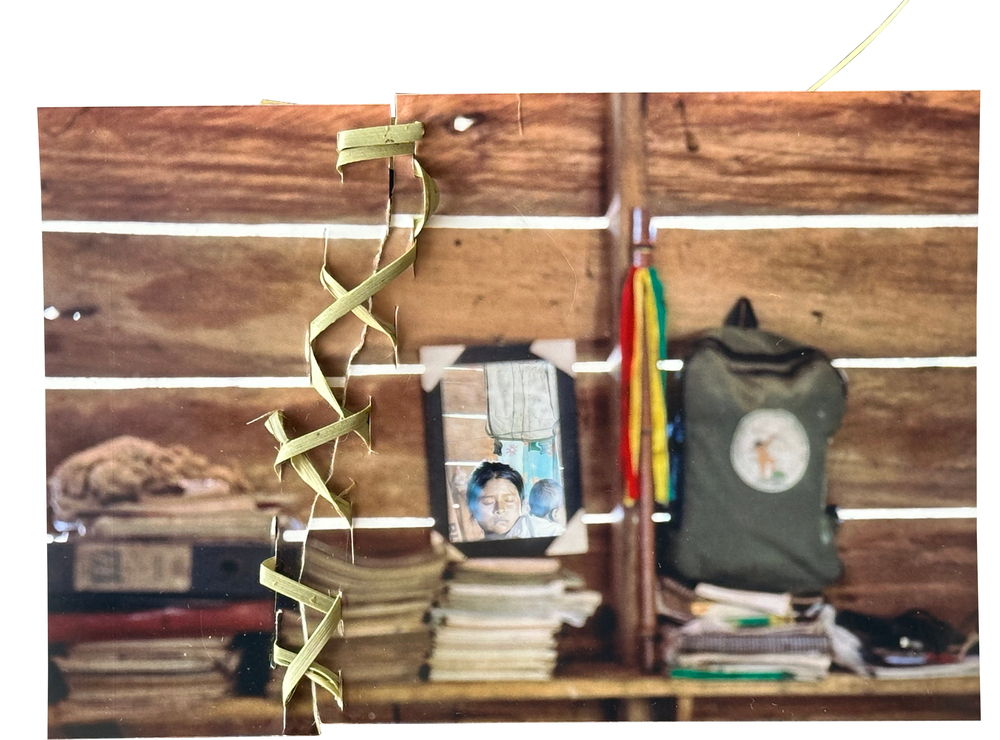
point(770, 450)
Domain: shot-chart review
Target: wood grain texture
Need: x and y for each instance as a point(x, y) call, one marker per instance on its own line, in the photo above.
point(179, 306)
point(215, 423)
point(527, 155)
point(909, 435)
point(851, 292)
point(157, 306)
point(735, 153)
point(813, 152)
point(614, 681)
point(391, 481)
point(242, 716)
point(835, 708)
point(162, 306)
point(891, 566)
point(242, 164)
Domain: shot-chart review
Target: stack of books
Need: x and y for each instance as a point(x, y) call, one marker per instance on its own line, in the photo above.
point(121, 662)
point(499, 618)
point(153, 591)
point(388, 587)
point(722, 633)
point(137, 673)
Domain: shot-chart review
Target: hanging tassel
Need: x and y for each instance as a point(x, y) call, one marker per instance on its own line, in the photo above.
point(643, 337)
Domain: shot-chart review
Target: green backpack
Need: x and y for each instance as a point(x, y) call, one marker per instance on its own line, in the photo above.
point(757, 413)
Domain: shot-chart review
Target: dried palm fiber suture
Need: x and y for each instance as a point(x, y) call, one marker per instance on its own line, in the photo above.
point(356, 145)
point(130, 470)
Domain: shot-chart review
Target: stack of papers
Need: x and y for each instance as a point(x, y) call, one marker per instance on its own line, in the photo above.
point(734, 634)
point(388, 589)
point(499, 618)
point(139, 672)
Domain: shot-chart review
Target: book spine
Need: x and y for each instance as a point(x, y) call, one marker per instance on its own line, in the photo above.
point(251, 616)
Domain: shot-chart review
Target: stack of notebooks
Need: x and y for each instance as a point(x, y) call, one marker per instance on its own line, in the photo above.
point(723, 633)
point(139, 673)
point(498, 619)
point(388, 588)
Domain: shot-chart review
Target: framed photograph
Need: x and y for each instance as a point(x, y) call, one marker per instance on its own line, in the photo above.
point(502, 448)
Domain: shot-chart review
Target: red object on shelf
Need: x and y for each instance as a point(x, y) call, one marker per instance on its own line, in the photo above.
point(173, 621)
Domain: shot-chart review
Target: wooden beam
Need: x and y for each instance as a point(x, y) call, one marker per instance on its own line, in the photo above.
point(626, 187)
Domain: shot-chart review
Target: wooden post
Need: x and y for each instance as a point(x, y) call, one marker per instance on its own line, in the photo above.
point(645, 558)
point(685, 708)
point(626, 178)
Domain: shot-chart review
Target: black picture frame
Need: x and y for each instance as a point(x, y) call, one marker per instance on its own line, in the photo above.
point(568, 452)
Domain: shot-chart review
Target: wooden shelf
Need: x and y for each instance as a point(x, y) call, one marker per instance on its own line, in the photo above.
point(614, 682)
point(263, 716)
point(634, 690)
point(242, 716)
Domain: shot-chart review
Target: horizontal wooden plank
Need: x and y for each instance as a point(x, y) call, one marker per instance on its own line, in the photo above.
point(525, 155)
point(614, 681)
point(227, 717)
point(813, 152)
point(165, 307)
point(178, 306)
point(242, 164)
point(506, 711)
point(834, 708)
point(160, 306)
point(891, 566)
point(872, 152)
point(851, 292)
point(214, 422)
point(908, 438)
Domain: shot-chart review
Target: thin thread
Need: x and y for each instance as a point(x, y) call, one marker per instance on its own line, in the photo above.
point(860, 48)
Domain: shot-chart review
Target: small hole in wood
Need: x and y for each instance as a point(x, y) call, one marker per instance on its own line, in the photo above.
point(464, 121)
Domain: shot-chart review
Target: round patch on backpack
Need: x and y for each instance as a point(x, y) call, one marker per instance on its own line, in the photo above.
point(770, 450)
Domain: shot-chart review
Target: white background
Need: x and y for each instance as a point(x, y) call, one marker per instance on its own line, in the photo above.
point(236, 53)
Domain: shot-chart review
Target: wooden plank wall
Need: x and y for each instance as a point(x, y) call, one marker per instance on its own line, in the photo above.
point(194, 306)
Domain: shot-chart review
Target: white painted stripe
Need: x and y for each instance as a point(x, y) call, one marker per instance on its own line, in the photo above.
point(903, 362)
point(611, 517)
point(937, 512)
point(866, 362)
point(600, 366)
point(670, 365)
point(58, 383)
point(845, 221)
point(556, 223)
point(387, 369)
point(319, 231)
point(361, 522)
point(456, 415)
